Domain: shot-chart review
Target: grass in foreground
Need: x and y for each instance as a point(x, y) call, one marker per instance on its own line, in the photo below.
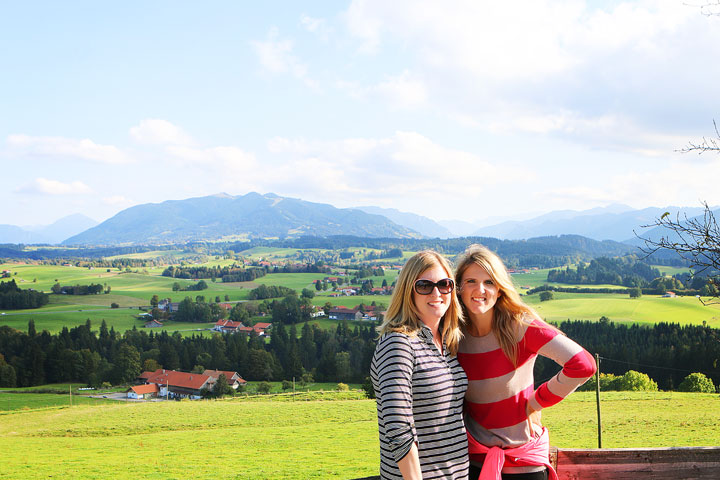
point(303, 439)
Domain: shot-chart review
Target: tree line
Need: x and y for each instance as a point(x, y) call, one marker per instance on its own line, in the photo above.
point(81, 354)
point(233, 273)
point(627, 271)
point(14, 298)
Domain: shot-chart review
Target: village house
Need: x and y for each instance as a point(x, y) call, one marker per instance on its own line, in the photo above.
point(228, 326)
point(143, 392)
point(344, 313)
point(233, 378)
point(153, 324)
point(173, 384)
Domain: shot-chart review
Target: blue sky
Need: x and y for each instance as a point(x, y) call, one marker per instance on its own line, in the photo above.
point(453, 110)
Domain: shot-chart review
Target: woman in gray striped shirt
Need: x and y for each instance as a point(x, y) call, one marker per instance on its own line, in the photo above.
point(418, 381)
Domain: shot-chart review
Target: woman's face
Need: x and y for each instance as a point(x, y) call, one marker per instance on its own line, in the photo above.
point(433, 306)
point(478, 291)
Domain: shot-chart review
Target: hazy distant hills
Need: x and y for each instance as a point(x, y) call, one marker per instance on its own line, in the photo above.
point(256, 216)
point(222, 216)
point(616, 222)
point(422, 225)
point(50, 234)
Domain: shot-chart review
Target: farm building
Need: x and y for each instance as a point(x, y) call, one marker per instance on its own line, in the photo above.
point(140, 392)
point(233, 378)
point(175, 384)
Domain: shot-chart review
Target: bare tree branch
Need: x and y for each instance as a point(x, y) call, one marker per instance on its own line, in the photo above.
point(697, 240)
point(707, 144)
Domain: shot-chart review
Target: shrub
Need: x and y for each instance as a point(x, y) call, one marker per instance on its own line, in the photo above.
point(697, 382)
point(343, 387)
point(263, 388)
point(114, 305)
point(546, 295)
point(636, 382)
point(608, 382)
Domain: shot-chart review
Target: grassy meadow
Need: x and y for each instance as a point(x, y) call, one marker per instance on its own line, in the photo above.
point(270, 439)
point(131, 290)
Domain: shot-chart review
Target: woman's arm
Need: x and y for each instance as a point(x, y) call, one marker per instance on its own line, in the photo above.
point(577, 365)
point(392, 371)
point(410, 465)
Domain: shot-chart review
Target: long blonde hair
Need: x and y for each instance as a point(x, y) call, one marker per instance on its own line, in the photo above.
point(510, 312)
point(402, 314)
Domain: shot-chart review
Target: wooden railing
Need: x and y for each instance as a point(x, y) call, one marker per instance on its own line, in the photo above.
point(678, 463)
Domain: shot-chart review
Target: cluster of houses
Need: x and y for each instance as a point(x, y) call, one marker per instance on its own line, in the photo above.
point(177, 385)
point(229, 326)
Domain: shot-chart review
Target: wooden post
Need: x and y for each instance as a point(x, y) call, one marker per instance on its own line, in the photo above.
point(71, 394)
point(597, 398)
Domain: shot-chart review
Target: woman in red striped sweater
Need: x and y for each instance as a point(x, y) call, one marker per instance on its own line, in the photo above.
point(503, 337)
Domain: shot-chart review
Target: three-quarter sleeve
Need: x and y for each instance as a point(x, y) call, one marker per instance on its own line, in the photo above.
point(391, 372)
point(577, 366)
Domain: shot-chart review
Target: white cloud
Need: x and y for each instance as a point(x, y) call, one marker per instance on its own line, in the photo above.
point(400, 170)
point(548, 67)
point(84, 149)
point(53, 187)
point(155, 131)
point(681, 182)
point(403, 91)
point(317, 26)
point(276, 56)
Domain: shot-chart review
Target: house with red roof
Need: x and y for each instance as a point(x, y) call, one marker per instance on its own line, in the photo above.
point(175, 384)
point(141, 392)
point(228, 326)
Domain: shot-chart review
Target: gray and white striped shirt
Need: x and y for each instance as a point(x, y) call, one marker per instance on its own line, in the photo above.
point(420, 394)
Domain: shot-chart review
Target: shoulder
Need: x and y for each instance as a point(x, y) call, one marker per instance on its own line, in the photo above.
point(394, 348)
point(395, 341)
point(534, 329)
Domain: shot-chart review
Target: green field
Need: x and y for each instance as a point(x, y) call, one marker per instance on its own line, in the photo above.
point(133, 290)
point(263, 439)
point(648, 309)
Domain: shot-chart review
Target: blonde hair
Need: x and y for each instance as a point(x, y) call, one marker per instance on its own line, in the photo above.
point(402, 314)
point(510, 312)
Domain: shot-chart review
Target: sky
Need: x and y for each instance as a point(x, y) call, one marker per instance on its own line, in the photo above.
point(468, 110)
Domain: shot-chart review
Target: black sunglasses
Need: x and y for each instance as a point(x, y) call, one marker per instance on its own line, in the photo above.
point(425, 287)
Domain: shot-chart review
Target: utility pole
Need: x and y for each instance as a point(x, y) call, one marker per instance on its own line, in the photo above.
point(597, 397)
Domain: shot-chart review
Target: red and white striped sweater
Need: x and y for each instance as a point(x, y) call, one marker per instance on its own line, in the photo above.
point(498, 392)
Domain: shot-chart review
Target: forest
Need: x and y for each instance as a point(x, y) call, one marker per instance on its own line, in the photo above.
point(666, 352)
point(80, 354)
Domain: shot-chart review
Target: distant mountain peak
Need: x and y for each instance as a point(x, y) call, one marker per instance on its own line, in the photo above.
point(224, 216)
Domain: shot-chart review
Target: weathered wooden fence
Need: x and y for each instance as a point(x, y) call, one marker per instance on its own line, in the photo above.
point(678, 463)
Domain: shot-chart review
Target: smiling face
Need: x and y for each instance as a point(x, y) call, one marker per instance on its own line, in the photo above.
point(478, 291)
point(433, 306)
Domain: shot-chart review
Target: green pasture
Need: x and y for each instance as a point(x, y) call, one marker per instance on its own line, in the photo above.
point(259, 438)
point(648, 309)
point(537, 278)
point(296, 281)
point(33, 401)
point(133, 290)
point(270, 253)
point(351, 301)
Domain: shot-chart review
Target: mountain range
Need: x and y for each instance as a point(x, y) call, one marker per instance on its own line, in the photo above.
point(225, 216)
point(255, 215)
